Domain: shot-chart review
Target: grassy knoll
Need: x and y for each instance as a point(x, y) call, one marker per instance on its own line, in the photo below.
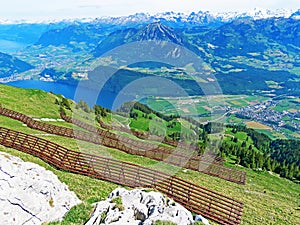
point(32, 102)
point(267, 198)
point(241, 137)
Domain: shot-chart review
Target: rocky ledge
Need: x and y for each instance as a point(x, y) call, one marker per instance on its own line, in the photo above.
point(30, 194)
point(139, 207)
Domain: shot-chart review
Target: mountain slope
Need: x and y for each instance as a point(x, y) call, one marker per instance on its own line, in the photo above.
point(244, 36)
point(73, 33)
point(264, 194)
point(86, 34)
point(10, 65)
point(237, 45)
point(14, 37)
point(152, 32)
point(158, 32)
point(270, 41)
point(244, 45)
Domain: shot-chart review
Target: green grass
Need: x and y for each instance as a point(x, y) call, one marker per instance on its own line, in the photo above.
point(119, 119)
point(233, 119)
point(267, 198)
point(241, 136)
point(196, 105)
point(162, 222)
point(198, 223)
point(287, 104)
point(118, 203)
point(140, 123)
point(160, 105)
point(156, 125)
point(32, 102)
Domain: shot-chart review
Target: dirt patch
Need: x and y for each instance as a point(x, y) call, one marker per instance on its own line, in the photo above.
point(256, 125)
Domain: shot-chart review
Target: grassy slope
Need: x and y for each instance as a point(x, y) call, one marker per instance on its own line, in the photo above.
point(158, 125)
point(267, 198)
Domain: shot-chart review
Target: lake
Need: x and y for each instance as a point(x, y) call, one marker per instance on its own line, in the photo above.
point(104, 98)
point(10, 46)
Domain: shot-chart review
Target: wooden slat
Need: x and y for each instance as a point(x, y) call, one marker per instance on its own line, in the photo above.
point(108, 139)
point(227, 174)
point(200, 200)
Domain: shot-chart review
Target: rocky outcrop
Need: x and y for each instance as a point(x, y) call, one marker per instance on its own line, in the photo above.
point(138, 207)
point(30, 194)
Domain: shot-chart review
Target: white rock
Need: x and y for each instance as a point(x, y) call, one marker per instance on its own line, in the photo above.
point(29, 194)
point(112, 216)
point(140, 207)
point(202, 219)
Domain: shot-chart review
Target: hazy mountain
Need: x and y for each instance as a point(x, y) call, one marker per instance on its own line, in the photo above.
point(264, 40)
point(233, 45)
point(10, 65)
point(296, 15)
point(72, 33)
point(242, 37)
point(15, 37)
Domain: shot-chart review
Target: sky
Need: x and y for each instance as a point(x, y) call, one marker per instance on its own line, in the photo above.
point(59, 9)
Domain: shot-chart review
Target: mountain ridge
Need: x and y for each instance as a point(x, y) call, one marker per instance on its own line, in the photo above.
point(10, 65)
point(192, 17)
point(152, 32)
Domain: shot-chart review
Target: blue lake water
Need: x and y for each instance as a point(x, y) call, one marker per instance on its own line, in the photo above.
point(103, 98)
point(10, 46)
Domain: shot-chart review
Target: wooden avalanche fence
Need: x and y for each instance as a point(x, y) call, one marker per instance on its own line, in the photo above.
point(109, 139)
point(144, 146)
point(207, 164)
point(214, 206)
point(146, 135)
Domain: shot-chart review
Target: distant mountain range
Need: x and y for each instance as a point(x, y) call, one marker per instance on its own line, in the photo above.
point(235, 45)
point(14, 35)
point(243, 37)
point(250, 48)
point(203, 17)
point(242, 54)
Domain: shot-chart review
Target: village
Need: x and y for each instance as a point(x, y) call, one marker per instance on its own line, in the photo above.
point(264, 112)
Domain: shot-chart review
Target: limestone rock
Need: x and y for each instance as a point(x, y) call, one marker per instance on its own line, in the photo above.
point(29, 194)
point(140, 207)
point(202, 219)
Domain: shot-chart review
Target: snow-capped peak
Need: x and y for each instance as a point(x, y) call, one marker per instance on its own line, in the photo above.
point(296, 15)
point(199, 17)
point(259, 13)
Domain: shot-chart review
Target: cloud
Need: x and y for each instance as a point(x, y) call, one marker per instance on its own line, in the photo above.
point(89, 6)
